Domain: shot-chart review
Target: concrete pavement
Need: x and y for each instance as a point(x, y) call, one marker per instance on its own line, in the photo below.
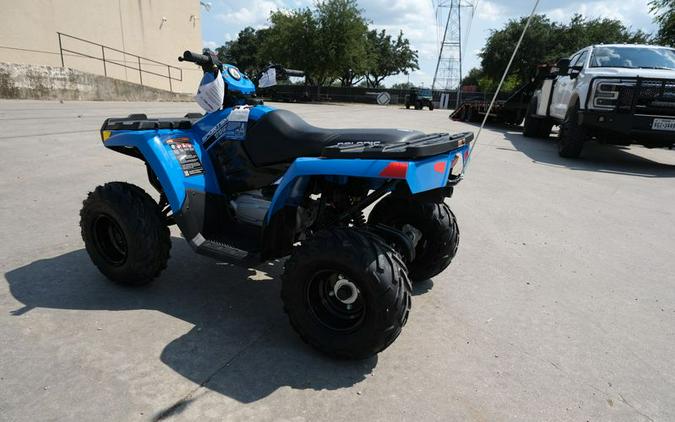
point(559, 305)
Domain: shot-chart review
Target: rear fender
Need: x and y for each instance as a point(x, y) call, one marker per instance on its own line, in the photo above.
point(156, 148)
point(420, 175)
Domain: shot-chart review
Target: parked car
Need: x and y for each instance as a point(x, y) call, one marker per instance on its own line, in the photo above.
point(617, 94)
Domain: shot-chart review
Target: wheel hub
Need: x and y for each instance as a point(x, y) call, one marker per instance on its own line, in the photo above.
point(413, 233)
point(109, 239)
point(345, 291)
point(335, 301)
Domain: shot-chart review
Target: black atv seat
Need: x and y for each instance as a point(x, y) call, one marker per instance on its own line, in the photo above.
point(282, 136)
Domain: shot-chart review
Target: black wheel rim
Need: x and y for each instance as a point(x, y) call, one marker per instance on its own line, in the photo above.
point(109, 240)
point(336, 301)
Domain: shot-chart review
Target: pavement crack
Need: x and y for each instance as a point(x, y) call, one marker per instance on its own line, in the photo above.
point(623, 399)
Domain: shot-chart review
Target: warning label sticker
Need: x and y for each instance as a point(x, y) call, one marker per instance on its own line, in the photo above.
point(186, 156)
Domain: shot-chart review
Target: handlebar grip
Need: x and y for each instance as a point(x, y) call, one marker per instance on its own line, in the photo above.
point(200, 59)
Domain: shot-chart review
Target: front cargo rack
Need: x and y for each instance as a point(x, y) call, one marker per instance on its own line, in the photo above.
point(142, 122)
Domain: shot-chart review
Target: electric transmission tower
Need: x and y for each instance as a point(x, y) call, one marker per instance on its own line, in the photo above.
point(448, 74)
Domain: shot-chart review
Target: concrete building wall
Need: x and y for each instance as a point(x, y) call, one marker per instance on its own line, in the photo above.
point(155, 29)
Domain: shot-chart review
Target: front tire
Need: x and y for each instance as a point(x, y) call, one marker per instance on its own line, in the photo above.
point(572, 136)
point(125, 233)
point(346, 293)
point(436, 223)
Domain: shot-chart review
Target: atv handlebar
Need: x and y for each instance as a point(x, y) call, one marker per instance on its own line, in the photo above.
point(200, 59)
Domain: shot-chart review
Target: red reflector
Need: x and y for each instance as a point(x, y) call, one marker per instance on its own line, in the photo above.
point(439, 167)
point(395, 170)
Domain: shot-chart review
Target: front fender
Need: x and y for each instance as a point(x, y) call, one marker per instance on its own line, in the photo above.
point(155, 148)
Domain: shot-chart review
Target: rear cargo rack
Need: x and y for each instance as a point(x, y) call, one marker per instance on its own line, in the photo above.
point(429, 145)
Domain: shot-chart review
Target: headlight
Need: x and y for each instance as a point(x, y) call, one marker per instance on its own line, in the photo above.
point(606, 92)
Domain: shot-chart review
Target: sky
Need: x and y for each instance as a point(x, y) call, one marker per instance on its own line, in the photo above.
point(418, 21)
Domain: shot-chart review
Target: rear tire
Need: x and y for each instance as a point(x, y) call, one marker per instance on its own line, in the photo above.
point(125, 233)
point(346, 293)
point(571, 137)
point(439, 232)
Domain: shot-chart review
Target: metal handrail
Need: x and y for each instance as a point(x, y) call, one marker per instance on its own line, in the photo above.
point(140, 70)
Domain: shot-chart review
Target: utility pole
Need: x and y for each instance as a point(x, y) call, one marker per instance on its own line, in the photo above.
point(448, 74)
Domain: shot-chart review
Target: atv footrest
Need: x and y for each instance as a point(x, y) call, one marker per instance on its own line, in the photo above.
point(427, 146)
point(221, 250)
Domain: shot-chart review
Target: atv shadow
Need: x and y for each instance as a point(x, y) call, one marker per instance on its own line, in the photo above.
point(595, 157)
point(241, 344)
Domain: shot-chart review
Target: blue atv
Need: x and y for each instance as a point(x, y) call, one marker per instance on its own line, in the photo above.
point(246, 183)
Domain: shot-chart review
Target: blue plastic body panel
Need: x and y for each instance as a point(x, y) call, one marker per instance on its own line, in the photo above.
point(153, 145)
point(421, 175)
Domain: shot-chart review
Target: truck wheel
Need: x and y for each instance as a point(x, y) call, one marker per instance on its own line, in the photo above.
point(125, 233)
point(571, 137)
point(346, 292)
point(407, 106)
point(431, 106)
point(432, 226)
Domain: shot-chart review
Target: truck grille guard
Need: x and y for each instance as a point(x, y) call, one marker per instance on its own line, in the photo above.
point(648, 96)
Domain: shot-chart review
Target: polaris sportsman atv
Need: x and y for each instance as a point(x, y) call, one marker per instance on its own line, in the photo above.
point(246, 183)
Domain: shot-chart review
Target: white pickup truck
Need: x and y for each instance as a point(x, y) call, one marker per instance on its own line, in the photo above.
point(613, 93)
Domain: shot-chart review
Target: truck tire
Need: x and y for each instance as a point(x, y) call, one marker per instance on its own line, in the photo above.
point(125, 233)
point(439, 232)
point(431, 106)
point(572, 136)
point(535, 127)
point(346, 293)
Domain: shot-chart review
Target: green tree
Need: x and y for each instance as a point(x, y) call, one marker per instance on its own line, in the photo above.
point(243, 51)
point(546, 41)
point(326, 43)
point(473, 77)
point(389, 57)
point(342, 40)
point(403, 85)
point(664, 11)
point(329, 43)
point(291, 41)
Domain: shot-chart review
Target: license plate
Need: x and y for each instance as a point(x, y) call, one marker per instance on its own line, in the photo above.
point(664, 124)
